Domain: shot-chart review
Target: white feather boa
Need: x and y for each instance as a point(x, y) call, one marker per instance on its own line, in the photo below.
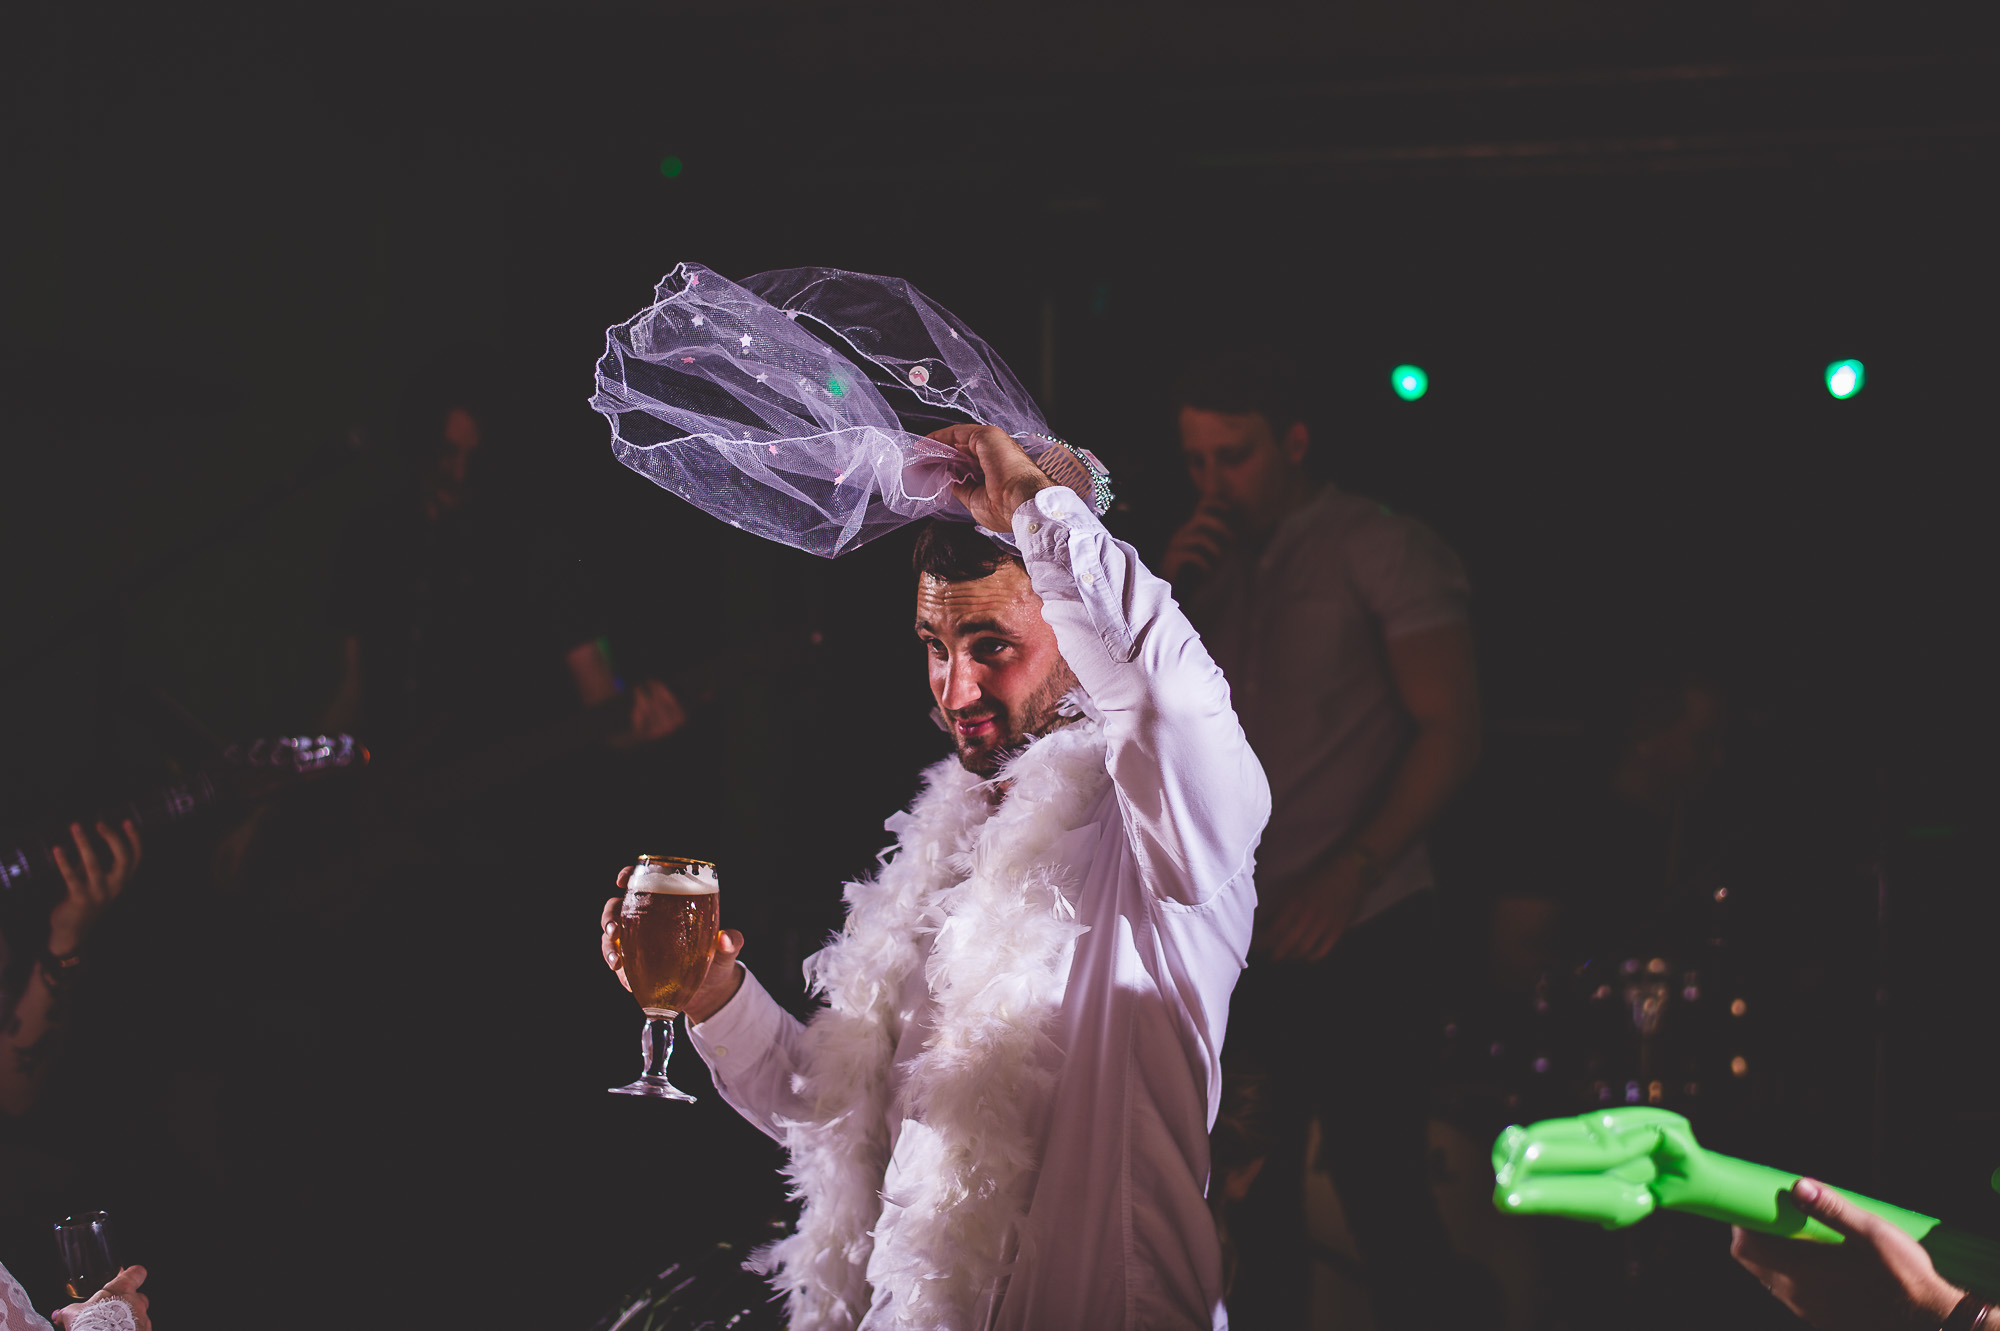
point(968, 891)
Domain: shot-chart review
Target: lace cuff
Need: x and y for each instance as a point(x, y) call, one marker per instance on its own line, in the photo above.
point(110, 1315)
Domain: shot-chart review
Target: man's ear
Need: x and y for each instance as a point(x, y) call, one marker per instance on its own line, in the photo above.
point(1297, 442)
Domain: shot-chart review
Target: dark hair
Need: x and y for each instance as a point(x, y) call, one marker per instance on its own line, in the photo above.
point(956, 552)
point(1239, 382)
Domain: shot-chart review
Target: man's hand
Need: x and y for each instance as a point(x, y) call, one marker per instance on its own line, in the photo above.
point(1314, 915)
point(1878, 1279)
point(92, 886)
point(724, 977)
point(123, 1287)
point(1200, 544)
point(656, 714)
point(1006, 478)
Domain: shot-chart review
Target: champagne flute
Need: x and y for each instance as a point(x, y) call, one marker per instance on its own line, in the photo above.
point(84, 1241)
point(664, 936)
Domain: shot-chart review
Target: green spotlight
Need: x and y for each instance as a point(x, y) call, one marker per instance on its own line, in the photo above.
point(670, 166)
point(1844, 378)
point(1410, 382)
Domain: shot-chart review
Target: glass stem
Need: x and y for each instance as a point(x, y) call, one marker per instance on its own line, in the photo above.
point(658, 1044)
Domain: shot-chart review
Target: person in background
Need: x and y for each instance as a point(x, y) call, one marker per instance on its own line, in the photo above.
point(1622, 862)
point(32, 1017)
point(1342, 628)
point(454, 617)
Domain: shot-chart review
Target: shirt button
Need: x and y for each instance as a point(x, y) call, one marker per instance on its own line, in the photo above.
point(722, 1051)
point(1090, 579)
point(1034, 526)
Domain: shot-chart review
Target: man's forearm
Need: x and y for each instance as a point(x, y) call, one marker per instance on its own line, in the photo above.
point(27, 1044)
point(1432, 770)
point(1196, 797)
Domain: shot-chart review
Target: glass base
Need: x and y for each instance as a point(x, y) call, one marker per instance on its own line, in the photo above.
point(657, 1088)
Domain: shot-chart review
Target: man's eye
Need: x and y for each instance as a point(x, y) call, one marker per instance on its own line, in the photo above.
point(991, 646)
point(934, 647)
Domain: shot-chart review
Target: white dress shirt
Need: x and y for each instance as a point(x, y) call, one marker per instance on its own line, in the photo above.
point(1122, 1235)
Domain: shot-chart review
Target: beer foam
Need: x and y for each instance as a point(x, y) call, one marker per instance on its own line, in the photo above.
point(653, 878)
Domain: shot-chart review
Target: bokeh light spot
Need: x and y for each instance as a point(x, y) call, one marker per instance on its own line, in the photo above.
point(1844, 378)
point(670, 166)
point(1410, 382)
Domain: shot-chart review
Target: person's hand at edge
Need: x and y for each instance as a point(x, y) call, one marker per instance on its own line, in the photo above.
point(124, 1287)
point(1007, 477)
point(91, 886)
point(1878, 1279)
point(1199, 545)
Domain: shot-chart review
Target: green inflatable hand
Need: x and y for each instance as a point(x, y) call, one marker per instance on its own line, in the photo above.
point(1615, 1167)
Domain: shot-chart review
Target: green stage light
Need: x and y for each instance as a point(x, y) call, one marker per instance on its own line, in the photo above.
point(1844, 378)
point(1410, 382)
point(670, 166)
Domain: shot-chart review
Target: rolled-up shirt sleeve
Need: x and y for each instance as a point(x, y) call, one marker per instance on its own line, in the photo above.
point(1193, 793)
point(753, 1048)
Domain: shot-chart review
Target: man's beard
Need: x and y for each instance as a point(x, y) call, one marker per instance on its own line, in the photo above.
point(1039, 715)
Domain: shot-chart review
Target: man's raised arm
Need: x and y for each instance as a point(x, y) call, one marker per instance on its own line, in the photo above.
point(1194, 794)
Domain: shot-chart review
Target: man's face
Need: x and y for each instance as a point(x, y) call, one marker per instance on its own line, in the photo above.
point(1239, 467)
point(995, 671)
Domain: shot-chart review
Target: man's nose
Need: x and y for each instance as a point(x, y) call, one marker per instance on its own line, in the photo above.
point(961, 685)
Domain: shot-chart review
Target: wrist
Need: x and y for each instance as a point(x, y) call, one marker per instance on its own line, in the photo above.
point(1962, 1311)
point(1022, 491)
point(57, 969)
point(704, 1007)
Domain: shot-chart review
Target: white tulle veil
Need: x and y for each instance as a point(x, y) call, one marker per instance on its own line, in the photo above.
point(794, 404)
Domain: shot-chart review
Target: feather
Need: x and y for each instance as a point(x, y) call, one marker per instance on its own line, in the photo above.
point(969, 893)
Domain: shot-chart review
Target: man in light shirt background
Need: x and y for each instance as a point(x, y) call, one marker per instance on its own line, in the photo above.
point(1342, 629)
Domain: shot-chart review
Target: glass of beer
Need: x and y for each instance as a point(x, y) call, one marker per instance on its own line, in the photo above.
point(665, 937)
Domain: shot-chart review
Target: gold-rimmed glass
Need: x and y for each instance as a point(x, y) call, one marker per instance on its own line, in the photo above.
point(664, 935)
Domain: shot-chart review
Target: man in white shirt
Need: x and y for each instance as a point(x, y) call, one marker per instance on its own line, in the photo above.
point(1000, 1118)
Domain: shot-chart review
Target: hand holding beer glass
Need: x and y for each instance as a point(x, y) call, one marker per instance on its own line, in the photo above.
point(662, 937)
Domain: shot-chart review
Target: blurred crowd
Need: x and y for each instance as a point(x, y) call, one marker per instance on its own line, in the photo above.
point(304, 1038)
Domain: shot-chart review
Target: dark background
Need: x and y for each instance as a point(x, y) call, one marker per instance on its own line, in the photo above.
point(1624, 241)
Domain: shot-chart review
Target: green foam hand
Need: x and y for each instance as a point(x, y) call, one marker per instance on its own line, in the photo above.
point(1617, 1166)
